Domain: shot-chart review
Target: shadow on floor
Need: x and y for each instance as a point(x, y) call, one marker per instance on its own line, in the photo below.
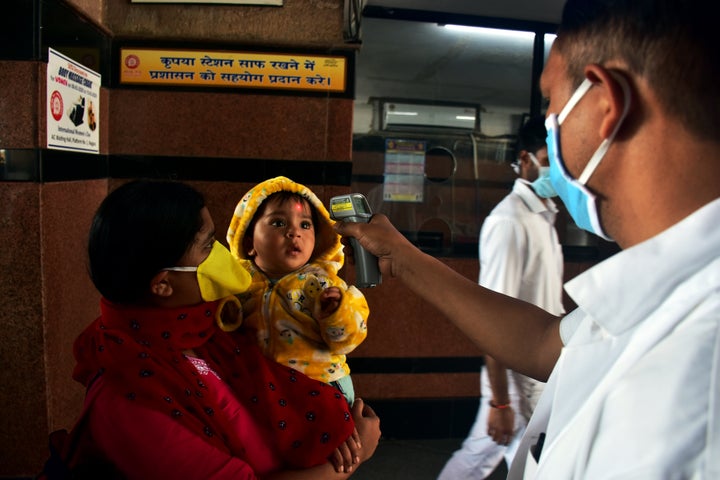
point(407, 459)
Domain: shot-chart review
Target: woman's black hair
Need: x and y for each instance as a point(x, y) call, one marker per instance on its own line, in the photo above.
point(139, 229)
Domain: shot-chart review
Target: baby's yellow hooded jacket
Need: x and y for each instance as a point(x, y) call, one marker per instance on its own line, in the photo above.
point(283, 313)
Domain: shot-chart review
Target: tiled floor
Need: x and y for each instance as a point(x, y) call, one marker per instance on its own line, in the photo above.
point(412, 460)
point(405, 459)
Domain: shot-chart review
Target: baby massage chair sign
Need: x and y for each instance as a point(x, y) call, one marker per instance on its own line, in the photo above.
point(73, 96)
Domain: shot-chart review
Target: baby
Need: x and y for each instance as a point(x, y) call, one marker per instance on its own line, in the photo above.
point(304, 314)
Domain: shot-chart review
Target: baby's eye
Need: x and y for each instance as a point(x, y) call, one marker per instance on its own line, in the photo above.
point(306, 225)
point(277, 223)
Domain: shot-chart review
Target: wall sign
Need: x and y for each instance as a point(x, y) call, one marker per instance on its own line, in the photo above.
point(73, 111)
point(202, 68)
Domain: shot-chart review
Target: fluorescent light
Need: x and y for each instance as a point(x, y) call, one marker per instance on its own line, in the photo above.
point(493, 32)
point(409, 114)
point(465, 117)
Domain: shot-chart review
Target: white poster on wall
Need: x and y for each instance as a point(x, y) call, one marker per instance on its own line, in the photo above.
point(73, 111)
point(404, 170)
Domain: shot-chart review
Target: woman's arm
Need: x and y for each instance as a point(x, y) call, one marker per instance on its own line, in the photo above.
point(144, 443)
point(368, 427)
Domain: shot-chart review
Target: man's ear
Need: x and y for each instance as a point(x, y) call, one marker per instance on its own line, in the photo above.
point(160, 284)
point(615, 97)
point(524, 157)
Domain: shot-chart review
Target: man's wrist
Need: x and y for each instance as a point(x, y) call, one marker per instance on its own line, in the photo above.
point(498, 405)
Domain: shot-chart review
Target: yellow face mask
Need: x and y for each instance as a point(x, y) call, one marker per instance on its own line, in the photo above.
point(220, 275)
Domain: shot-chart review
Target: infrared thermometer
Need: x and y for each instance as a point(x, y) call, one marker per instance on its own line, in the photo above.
point(354, 207)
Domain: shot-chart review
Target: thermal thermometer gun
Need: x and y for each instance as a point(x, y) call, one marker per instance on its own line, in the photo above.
point(354, 208)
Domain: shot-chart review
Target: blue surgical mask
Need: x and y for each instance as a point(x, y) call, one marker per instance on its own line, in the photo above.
point(542, 184)
point(580, 202)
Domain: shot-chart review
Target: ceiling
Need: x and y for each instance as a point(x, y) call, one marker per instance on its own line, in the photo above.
point(405, 53)
point(531, 10)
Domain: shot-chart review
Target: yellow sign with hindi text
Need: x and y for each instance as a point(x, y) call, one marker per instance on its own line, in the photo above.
point(200, 68)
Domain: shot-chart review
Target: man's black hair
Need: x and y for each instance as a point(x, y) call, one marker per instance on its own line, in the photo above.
point(532, 135)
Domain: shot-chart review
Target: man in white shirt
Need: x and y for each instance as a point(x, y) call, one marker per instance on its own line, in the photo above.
point(632, 374)
point(520, 256)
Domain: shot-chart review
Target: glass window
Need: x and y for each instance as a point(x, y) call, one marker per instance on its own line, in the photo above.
point(436, 112)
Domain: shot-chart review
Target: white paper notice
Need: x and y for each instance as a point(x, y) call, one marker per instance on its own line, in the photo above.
point(73, 111)
point(404, 170)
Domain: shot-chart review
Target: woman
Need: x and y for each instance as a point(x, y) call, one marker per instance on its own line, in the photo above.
point(170, 395)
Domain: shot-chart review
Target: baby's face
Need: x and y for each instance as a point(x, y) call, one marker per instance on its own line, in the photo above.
point(283, 238)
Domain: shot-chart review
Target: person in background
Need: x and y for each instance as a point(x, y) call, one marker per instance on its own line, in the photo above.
point(305, 316)
point(632, 373)
point(171, 395)
point(520, 256)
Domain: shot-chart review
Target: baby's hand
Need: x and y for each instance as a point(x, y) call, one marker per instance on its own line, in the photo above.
point(347, 454)
point(329, 301)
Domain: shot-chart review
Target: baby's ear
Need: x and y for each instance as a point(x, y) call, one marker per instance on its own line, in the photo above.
point(248, 247)
point(160, 285)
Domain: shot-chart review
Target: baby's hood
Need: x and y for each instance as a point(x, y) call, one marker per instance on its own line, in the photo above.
point(328, 249)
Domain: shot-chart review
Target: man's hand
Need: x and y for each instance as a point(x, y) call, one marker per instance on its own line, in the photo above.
point(379, 237)
point(501, 424)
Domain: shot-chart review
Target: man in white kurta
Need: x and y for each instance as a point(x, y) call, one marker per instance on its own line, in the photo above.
point(633, 374)
point(641, 363)
point(520, 256)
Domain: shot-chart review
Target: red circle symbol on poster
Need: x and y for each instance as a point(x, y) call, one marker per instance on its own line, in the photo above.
point(132, 61)
point(56, 105)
